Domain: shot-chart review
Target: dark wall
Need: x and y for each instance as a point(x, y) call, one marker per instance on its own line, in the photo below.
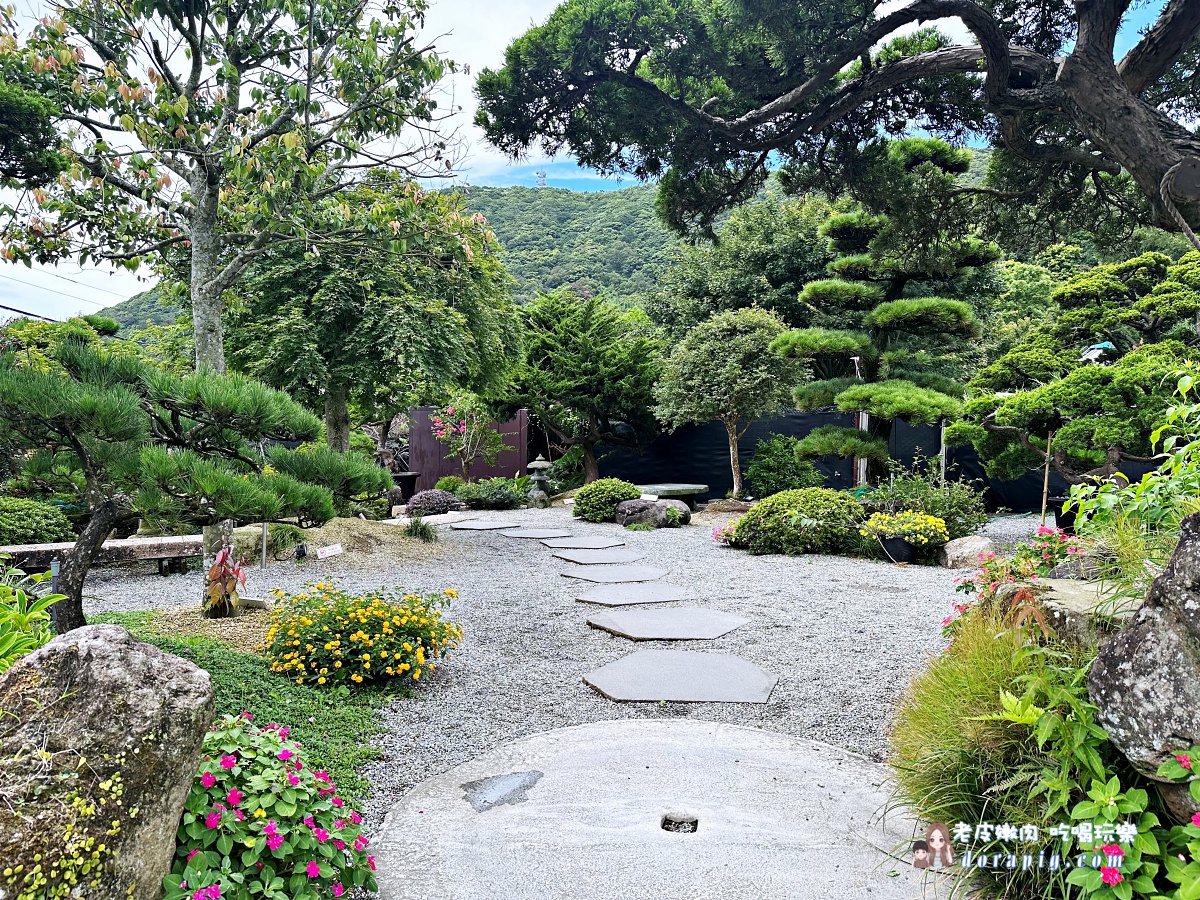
point(427, 456)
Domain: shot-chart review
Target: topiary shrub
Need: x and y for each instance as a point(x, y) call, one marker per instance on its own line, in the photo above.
point(493, 493)
point(432, 503)
point(810, 520)
point(31, 522)
point(775, 467)
point(450, 483)
point(598, 501)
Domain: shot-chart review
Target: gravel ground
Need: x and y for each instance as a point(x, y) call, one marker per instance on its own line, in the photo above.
point(844, 635)
point(1008, 531)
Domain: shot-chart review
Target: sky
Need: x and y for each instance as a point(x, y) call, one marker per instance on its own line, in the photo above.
point(473, 33)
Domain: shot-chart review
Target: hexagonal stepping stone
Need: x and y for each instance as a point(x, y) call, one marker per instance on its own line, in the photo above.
point(677, 623)
point(483, 525)
point(633, 593)
point(682, 676)
point(537, 533)
point(583, 543)
point(615, 574)
point(599, 557)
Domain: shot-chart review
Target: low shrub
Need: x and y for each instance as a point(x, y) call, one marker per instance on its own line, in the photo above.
point(1036, 558)
point(640, 526)
point(598, 501)
point(449, 483)
point(775, 467)
point(431, 503)
point(31, 522)
point(917, 528)
point(810, 520)
point(259, 823)
point(922, 489)
point(323, 635)
point(491, 493)
point(673, 518)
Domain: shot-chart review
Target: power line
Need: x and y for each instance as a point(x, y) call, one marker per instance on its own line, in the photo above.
point(51, 290)
point(83, 284)
point(24, 313)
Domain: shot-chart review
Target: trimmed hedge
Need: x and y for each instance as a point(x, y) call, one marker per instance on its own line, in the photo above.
point(598, 501)
point(810, 520)
point(31, 522)
point(431, 503)
point(775, 467)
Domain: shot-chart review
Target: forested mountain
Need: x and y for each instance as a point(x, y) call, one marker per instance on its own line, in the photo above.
point(597, 241)
point(140, 309)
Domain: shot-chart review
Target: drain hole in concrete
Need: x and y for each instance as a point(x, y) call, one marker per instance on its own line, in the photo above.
point(680, 824)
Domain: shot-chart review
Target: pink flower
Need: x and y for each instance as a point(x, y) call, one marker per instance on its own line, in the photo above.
point(1196, 819)
point(322, 834)
point(341, 845)
point(270, 827)
point(248, 717)
point(371, 862)
point(360, 843)
point(1112, 850)
point(338, 890)
point(449, 410)
point(285, 755)
point(275, 841)
point(234, 797)
point(283, 732)
point(321, 776)
point(355, 818)
point(241, 816)
point(1111, 876)
point(337, 801)
point(1184, 760)
point(208, 779)
point(192, 853)
point(947, 620)
point(338, 824)
point(313, 868)
point(228, 762)
point(309, 821)
point(213, 820)
point(293, 780)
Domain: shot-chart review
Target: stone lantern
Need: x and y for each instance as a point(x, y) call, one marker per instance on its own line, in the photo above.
point(539, 497)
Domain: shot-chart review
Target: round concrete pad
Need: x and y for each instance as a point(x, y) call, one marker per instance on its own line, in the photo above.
point(777, 817)
point(682, 676)
point(634, 593)
point(537, 533)
point(483, 525)
point(582, 543)
point(599, 557)
point(615, 574)
point(675, 623)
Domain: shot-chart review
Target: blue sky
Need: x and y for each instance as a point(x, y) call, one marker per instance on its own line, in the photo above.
point(474, 34)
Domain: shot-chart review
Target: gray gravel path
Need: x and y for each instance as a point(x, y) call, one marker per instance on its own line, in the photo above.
point(844, 635)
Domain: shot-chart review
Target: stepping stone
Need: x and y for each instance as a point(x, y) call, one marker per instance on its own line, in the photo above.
point(582, 543)
point(634, 593)
point(442, 519)
point(678, 623)
point(537, 533)
point(483, 525)
point(599, 557)
point(682, 676)
point(615, 574)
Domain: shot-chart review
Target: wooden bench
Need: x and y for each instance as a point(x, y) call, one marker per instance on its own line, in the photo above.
point(172, 552)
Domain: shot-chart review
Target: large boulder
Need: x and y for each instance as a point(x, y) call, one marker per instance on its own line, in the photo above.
point(651, 512)
point(99, 743)
point(964, 552)
point(1146, 680)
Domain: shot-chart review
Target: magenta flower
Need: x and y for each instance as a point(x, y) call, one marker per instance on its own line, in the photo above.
point(213, 820)
point(283, 732)
point(339, 824)
point(337, 801)
point(275, 841)
point(322, 834)
point(234, 797)
point(341, 845)
point(355, 818)
point(270, 827)
point(371, 862)
point(1196, 819)
point(293, 780)
point(313, 868)
point(285, 755)
point(228, 762)
point(338, 890)
point(360, 843)
point(1111, 876)
point(1184, 760)
point(192, 853)
point(208, 779)
point(321, 776)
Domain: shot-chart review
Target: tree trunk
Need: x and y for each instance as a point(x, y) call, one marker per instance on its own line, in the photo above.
point(207, 329)
point(591, 469)
point(877, 470)
point(337, 418)
point(735, 464)
point(68, 613)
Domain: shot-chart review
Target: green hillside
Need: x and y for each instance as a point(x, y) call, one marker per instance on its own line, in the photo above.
point(143, 308)
point(597, 241)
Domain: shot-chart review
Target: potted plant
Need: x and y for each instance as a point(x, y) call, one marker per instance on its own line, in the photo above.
point(902, 534)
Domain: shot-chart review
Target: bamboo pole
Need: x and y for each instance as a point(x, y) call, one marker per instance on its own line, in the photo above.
point(1046, 478)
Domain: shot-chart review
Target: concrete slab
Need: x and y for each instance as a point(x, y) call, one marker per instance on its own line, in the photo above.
point(633, 593)
point(676, 623)
point(579, 543)
point(615, 574)
point(483, 525)
point(777, 816)
point(443, 519)
point(682, 676)
point(599, 557)
point(537, 533)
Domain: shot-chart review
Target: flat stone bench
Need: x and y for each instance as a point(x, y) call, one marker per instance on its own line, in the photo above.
point(172, 552)
point(685, 492)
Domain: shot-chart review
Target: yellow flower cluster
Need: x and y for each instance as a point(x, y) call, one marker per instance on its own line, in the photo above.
point(917, 528)
point(322, 635)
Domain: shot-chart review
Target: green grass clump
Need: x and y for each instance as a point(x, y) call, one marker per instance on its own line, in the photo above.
point(333, 725)
point(421, 530)
point(640, 526)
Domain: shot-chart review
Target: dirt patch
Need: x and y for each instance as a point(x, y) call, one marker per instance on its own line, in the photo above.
point(247, 631)
point(359, 538)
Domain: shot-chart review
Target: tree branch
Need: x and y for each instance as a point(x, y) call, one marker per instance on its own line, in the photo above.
point(1161, 46)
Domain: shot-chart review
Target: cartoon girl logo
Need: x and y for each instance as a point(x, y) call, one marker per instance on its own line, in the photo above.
point(941, 856)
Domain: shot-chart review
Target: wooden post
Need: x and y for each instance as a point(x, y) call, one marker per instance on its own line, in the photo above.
point(1046, 478)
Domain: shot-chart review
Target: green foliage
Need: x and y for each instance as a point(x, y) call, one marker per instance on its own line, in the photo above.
point(924, 315)
point(418, 528)
point(1061, 260)
point(598, 501)
point(104, 326)
point(466, 428)
point(924, 490)
point(257, 791)
point(29, 143)
point(776, 467)
point(431, 503)
point(491, 493)
point(449, 483)
point(640, 526)
point(153, 307)
point(324, 636)
point(24, 614)
point(672, 518)
point(348, 476)
point(899, 399)
point(811, 520)
point(834, 440)
point(31, 522)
